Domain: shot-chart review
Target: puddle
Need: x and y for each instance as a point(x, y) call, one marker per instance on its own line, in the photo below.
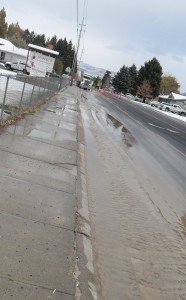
point(126, 135)
point(115, 122)
point(183, 222)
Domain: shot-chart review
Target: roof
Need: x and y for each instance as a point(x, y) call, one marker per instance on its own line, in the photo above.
point(177, 96)
point(173, 96)
point(31, 46)
point(164, 96)
point(7, 46)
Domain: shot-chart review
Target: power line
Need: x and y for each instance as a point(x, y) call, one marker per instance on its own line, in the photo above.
point(79, 33)
point(77, 18)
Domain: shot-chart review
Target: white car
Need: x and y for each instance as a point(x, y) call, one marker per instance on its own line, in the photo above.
point(165, 106)
point(2, 65)
point(138, 99)
point(155, 104)
point(177, 109)
point(18, 66)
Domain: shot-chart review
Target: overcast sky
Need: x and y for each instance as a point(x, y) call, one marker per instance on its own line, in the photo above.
point(117, 33)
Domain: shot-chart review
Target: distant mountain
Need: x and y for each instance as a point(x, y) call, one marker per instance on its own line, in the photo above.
point(93, 70)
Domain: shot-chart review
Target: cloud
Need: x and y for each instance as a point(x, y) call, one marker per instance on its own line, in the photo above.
point(178, 58)
point(117, 33)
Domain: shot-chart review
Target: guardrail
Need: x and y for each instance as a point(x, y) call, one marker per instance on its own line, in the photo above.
point(20, 92)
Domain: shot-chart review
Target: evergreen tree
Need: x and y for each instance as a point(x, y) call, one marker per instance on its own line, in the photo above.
point(132, 79)
point(121, 80)
point(152, 72)
point(40, 40)
point(3, 24)
point(29, 36)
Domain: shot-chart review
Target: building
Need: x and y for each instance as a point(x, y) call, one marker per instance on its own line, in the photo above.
point(173, 98)
point(40, 60)
point(9, 52)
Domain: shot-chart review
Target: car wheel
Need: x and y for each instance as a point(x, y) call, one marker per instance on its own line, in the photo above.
point(8, 67)
point(166, 109)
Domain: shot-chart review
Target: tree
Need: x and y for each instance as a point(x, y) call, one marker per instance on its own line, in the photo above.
point(120, 80)
point(39, 40)
point(106, 79)
point(3, 24)
point(53, 41)
point(13, 29)
point(15, 35)
point(169, 84)
point(145, 90)
point(152, 72)
point(97, 81)
point(29, 36)
point(132, 79)
point(66, 52)
point(18, 41)
point(58, 67)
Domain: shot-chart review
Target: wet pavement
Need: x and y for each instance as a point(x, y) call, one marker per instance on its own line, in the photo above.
point(136, 190)
point(38, 174)
point(92, 206)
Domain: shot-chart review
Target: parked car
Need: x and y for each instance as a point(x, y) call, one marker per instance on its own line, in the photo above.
point(129, 96)
point(165, 106)
point(155, 104)
point(177, 109)
point(18, 66)
point(2, 65)
point(138, 99)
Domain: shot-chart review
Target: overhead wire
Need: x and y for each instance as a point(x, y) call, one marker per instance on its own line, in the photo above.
point(85, 8)
point(80, 34)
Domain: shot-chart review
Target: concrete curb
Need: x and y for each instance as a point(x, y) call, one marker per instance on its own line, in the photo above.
point(85, 287)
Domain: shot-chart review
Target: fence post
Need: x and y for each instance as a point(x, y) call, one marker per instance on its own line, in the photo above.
point(4, 98)
point(31, 95)
point(39, 87)
point(22, 94)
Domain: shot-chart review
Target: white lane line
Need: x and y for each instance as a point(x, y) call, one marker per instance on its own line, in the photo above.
point(163, 128)
point(156, 126)
point(172, 130)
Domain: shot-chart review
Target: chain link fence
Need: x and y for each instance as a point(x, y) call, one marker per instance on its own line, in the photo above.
point(21, 92)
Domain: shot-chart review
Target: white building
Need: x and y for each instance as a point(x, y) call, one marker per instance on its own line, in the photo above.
point(40, 60)
point(173, 98)
point(10, 53)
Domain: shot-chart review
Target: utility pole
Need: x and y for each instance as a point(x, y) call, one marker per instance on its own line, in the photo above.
point(76, 54)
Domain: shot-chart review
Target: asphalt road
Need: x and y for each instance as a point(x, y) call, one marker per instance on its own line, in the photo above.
point(172, 130)
point(135, 172)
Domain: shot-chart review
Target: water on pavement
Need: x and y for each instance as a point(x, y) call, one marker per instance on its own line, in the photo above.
point(137, 214)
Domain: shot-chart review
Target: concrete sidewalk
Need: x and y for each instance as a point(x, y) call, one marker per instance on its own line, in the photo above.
point(38, 175)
